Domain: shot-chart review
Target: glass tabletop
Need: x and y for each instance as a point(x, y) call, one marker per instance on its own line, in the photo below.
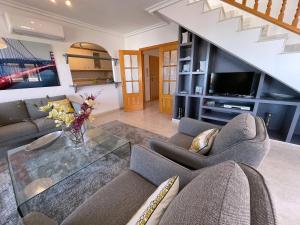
point(36, 171)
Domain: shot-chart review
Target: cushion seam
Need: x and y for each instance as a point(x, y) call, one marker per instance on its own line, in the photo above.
point(234, 165)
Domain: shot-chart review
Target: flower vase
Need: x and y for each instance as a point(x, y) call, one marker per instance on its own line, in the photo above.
point(74, 139)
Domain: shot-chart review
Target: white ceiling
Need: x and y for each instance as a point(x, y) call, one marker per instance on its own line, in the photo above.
point(122, 16)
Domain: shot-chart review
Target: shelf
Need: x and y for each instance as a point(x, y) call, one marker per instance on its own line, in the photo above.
point(226, 110)
point(198, 73)
point(231, 98)
point(188, 44)
point(184, 84)
point(224, 117)
point(181, 94)
point(279, 122)
point(184, 59)
point(195, 96)
point(279, 102)
point(193, 108)
point(180, 102)
point(198, 54)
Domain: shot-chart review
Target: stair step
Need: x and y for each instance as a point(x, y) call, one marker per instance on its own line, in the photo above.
point(274, 37)
point(295, 48)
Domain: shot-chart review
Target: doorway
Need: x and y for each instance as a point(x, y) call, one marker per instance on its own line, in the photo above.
point(149, 74)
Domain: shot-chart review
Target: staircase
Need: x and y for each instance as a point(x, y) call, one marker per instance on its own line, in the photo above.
point(264, 45)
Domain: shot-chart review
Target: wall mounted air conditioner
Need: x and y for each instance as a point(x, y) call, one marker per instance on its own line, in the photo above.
point(34, 27)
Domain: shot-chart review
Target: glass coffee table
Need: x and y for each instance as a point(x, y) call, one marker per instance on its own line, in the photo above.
point(34, 172)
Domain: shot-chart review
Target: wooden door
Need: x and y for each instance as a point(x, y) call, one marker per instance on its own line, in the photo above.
point(167, 77)
point(132, 80)
point(154, 77)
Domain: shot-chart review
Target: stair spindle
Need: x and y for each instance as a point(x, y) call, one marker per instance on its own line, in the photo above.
point(282, 10)
point(269, 7)
point(296, 18)
point(244, 2)
point(256, 5)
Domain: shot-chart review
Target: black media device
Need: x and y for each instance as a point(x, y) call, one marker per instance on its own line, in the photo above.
point(243, 84)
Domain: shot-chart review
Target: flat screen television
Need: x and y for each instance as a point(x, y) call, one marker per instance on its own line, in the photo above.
point(233, 84)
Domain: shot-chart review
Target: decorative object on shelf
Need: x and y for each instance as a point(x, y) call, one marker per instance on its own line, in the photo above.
point(211, 103)
point(186, 68)
point(184, 37)
point(72, 122)
point(202, 66)
point(180, 113)
point(268, 117)
point(183, 92)
point(44, 141)
point(198, 90)
point(241, 107)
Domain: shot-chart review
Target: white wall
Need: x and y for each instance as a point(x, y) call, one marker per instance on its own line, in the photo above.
point(153, 52)
point(112, 43)
point(160, 35)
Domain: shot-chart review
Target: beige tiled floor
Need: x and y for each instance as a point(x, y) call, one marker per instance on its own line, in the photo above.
point(281, 168)
point(149, 119)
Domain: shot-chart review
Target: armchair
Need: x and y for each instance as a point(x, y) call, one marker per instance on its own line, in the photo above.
point(243, 139)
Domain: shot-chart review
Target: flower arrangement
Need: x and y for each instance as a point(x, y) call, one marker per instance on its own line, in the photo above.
point(64, 115)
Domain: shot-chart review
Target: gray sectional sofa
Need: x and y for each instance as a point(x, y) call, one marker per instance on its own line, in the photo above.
point(21, 120)
point(227, 193)
point(243, 139)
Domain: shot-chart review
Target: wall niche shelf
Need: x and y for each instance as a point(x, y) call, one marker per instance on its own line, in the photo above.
point(272, 100)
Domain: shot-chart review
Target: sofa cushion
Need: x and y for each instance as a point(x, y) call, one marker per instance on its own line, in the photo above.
point(181, 140)
point(44, 124)
point(57, 98)
point(237, 130)
point(204, 141)
point(152, 210)
point(13, 112)
point(64, 105)
point(262, 208)
point(33, 111)
point(115, 203)
point(17, 130)
point(218, 195)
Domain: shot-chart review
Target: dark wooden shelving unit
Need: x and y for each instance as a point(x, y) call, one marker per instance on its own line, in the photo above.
point(285, 112)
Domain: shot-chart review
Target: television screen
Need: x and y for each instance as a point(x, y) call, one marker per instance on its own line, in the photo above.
point(234, 84)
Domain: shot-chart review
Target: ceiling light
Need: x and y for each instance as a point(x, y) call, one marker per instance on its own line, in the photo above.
point(54, 1)
point(2, 44)
point(68, 3)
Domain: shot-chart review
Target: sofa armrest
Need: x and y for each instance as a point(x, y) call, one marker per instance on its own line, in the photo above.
point(177, 154)
point(37, 218)
point(193, 127)
point(156, 168)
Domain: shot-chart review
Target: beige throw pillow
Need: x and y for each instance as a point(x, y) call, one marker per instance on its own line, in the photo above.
point(152, 210)
point(204, 141)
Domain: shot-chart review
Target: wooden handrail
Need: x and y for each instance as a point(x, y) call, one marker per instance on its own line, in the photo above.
point(267, 14)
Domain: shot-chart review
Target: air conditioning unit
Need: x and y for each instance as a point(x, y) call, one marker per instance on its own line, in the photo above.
point(34, 27)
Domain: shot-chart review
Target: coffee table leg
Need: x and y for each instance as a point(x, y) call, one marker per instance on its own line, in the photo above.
point(20, 212)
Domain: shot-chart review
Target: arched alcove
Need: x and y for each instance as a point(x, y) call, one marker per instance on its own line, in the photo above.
point(90, 64)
